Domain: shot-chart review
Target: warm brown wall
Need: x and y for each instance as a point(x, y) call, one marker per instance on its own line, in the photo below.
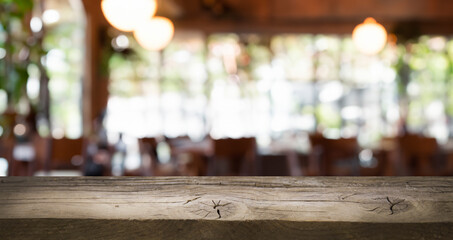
point(95, 85)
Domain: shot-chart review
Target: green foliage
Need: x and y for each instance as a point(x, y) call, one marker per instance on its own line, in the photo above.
point(327, 116)
point(16, 8)
point(13, 40)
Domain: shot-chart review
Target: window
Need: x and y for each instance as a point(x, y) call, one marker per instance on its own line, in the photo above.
point(233, 85)
point(64, 22)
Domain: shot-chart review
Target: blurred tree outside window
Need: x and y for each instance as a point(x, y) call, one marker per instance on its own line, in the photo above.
point(20, 55)
point(233, 85)
point(429, 87)
point(42, 40)
point(64, 22)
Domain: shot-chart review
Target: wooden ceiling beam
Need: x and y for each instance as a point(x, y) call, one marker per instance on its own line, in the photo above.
point(315, 16)
point(314, 27)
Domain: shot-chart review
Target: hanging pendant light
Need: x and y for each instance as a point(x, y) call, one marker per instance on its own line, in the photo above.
point(154, 34)
point(126, 15)
point(369, 37)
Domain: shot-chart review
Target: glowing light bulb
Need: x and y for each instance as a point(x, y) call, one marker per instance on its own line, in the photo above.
point(127, 15)
point(154, 34)
point(369, 37)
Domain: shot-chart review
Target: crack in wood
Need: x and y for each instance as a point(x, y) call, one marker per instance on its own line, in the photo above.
point(216, 205)
point(392, 207)
point(393, 204)
point(191, 200)
point(201, 211)
point(344, 197)
point(213, 208)
point(374, 209)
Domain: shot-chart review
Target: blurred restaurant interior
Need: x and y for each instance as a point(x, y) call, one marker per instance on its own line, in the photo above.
point(226, 87)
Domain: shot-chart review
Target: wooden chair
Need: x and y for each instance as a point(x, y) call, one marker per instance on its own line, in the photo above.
point(42, 148)
point(274, 165)
point(151, 166)
point(174, 143)
point(418, 155)
point(37, 147)
point(25, 168)
point(233, 157)
point(191, 158)
point(65, 154)
point(387, 156)
point(341, 157)
point(334, 156)
point(148, 145)
point(6, 151)
point(148, 152)
point(315, 155)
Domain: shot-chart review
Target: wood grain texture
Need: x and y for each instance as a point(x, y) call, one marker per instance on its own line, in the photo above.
point(226, 208)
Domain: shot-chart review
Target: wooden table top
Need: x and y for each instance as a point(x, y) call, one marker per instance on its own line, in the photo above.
point(237, 207)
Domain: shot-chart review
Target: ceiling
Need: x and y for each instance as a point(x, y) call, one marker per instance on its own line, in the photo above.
point(308, 16)
point(336, 16)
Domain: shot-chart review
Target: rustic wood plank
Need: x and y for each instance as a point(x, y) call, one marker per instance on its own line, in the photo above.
point(227, 207)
